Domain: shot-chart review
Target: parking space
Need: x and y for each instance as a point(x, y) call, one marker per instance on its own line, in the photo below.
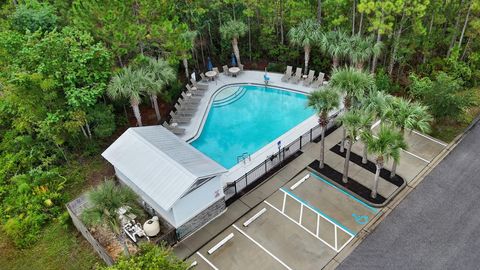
point(302, 227)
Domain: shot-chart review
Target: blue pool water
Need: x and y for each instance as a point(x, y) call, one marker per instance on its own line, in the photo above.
point(243, 119)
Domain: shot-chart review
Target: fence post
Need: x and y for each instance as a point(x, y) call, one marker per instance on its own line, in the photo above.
point(301, 142)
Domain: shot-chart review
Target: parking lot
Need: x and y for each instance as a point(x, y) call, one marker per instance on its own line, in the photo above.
point(301, 226)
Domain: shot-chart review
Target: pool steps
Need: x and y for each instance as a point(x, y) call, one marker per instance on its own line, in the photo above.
point(238, 94)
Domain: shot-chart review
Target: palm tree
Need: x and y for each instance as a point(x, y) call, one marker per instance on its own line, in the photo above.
point(160, 74)
point(305, 34)
point(335, 44)
point(377, 104)
point(323, 102)
point(187, 42)
point(232, 30)
point(106, 200)
point(405, 114)
point(354, 123)
point(129, 83)
point(353, 84)
point(361, 49)
point(385, 145)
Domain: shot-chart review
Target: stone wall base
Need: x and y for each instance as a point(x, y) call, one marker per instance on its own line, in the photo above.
point(201, 219)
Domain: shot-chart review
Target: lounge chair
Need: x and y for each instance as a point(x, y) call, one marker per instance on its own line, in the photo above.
point(216, 70)
point(199, 86)
point(241, 68)
point(298, 75)
point(194, 91)
point(179, 119)
point(309, 79)
point(188, 105)
point(184, 110)
point(319, 81)
point(287, 75)
point(174, 130)
point(225, 71)
point(191, 97)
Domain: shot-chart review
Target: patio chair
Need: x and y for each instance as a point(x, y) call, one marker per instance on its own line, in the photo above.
point(298, 75)
point(217, 71)
point(241, 68)
point(188, 105)
point(309, 79)
point(225, 71)
point(204, 78)
point(287, 75)
point(199, 86)
point(174, 130)
point(179, 119)
point(319, 81)
point(194, 91)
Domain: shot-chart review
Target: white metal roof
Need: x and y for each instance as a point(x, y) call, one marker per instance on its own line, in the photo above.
point(163, 166)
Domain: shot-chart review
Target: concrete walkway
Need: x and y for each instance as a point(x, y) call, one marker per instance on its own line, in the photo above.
point(437, 226)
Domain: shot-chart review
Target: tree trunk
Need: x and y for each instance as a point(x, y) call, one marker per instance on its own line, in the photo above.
point(424, 59)
point(353, 16)
point(249, 39)
point(342, 143)
point(464, 26)
point(322, 148)
point(307, 57)
point(365, 154)
point(375, 57)
point(136, 112)
point(120, 60)
point(349, 143)
point(375, 183)
point(185, 65)
point(360, 24)
point(319, 11)
point(396, 42)
point(210, 35)
point(465, 50)
point(394, 169)
point(155, 105)
point(84, 132)
point(201, 49)
point(88, 129)
point(455, 29)
point(236, 51)
point(282, 38)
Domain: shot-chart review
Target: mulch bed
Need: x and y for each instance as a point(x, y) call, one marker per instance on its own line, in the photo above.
point(352, 186)
point(370, 166)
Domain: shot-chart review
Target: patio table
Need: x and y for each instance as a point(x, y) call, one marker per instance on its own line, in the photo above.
point(211, 74)
point(234, 71)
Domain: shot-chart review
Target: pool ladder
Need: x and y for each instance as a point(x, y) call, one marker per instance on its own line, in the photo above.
point(243, 157)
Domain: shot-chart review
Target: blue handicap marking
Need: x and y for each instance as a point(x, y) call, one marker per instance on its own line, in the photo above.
point(362, 220)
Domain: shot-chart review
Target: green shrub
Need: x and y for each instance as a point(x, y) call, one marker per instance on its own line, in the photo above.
point(276, 67)
point(384, 82)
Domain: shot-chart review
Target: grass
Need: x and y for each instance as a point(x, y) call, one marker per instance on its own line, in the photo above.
point(58, 248)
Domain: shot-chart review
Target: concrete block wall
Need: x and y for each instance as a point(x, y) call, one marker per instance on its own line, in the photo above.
point(201, 219)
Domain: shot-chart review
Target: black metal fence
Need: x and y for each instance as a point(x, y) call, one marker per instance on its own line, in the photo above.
point(261, 172)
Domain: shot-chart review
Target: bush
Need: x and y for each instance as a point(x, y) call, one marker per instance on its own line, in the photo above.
point(384, 82)
point(150, 257)
point(34, 16)
point(276, 67)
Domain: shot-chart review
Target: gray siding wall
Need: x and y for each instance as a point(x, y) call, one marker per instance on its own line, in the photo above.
point(201, 219)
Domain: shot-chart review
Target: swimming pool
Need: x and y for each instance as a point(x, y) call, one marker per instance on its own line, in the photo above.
point(244, 118)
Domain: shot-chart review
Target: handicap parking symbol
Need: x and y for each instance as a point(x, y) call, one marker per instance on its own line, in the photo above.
point(362, 220)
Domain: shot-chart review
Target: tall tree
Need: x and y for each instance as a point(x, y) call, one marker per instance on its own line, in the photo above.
point(361, 49)
point(130, 84)
point(186, 45)
point(306, 34)
point(353, 84)
point(385, 145)
point(408, 115)
point(335, 44)
point(106, 201)
point(354, 123)
point(233, 30)
point(323, 102)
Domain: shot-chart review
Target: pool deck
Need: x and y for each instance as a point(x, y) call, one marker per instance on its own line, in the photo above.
point(193, 129)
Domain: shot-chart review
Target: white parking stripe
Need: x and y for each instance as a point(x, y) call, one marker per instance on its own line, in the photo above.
point(264, 249)
point(412, 154)
point(429, 138)
point(207, 261)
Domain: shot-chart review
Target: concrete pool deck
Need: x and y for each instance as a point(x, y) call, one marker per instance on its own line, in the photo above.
point(268, 191)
